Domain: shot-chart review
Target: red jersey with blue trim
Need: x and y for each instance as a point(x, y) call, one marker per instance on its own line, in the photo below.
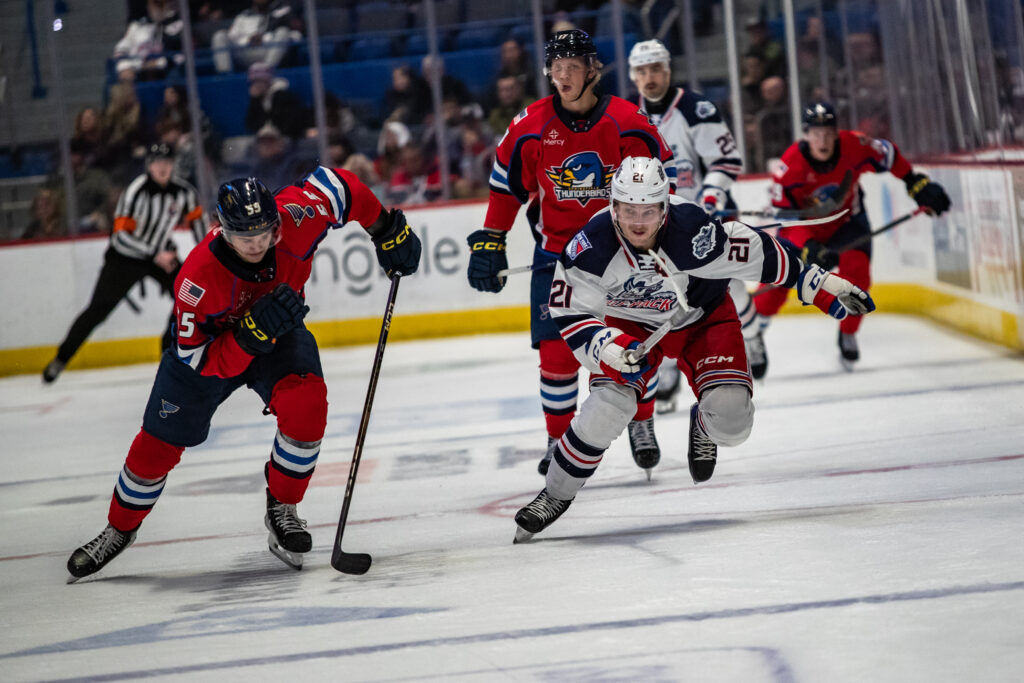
point(215, 287)
point(562, 164)
point(803, 183)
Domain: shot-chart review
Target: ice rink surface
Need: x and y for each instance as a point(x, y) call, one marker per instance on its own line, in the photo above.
point(871, 529)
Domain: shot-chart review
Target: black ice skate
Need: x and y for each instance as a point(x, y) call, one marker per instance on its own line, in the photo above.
point(545, 462)
point(53, 370)
point(288, 538)
point(668, 388)
point(646, 453)
point(97, 553)
point(848, 351)
point(703, 453)
point(539, 515)
point(757, 355)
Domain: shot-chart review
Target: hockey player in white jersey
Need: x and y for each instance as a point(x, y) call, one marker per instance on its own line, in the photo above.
point(707, 163)
point(649, 266)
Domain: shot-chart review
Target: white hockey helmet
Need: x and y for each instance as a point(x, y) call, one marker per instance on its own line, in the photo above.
point(640, 180)
point(648, 52)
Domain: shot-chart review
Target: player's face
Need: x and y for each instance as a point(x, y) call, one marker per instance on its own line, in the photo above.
point(652, 80)
point(822, 141)
point(568, 75)
point(253, 248)
point(639, 223)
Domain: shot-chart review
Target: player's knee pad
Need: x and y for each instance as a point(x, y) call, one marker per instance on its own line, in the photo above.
point(727, 413)
point(150, 458)
point(300, 403)
point(605, 413)
point(556, 360)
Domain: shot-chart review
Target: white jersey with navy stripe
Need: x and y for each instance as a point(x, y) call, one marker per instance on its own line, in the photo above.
point(146, 213)
point(703, 148)
point(601, 275)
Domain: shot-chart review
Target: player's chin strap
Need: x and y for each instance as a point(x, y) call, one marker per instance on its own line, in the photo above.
point(586, 84)
point(633, 355)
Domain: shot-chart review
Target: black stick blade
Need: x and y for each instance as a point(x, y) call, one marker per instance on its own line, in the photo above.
point(350, 563)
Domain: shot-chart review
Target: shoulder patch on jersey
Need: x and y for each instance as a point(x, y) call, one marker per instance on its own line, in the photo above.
point(704, 242)
point(190, 292)
point(577, 246)
point(299, 212)
point(705, 109)
point(781, 169)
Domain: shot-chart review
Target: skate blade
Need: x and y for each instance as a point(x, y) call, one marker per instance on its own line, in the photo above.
point(649, 471)
point(522, 535)
point(848, 365)
point(293, 560)
point(662, 407)
point(73, 579)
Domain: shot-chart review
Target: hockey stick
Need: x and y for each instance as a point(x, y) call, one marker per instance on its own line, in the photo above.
point(525, 269)
point(826, 207)
point(359, 563)
point(649, 343)
point(863, 239)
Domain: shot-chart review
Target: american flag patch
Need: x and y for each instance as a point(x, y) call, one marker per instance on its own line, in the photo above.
point(190, 292)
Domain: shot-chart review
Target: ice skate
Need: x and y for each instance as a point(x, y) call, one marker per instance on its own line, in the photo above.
point(53, 370)
point(849, 354)
point(757, 355)
point(703, 453)
point(646, 453)
point(545, 462)
point(539, 515)
point(666, 397)
point(288, 538)
point(97, 553)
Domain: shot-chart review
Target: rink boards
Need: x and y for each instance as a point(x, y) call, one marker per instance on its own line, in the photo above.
point(963, 269)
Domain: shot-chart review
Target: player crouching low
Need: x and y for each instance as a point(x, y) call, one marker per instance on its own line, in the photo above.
point(653, 261)
point(239, 322)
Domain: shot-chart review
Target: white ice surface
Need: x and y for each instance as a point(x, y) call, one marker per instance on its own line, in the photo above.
point(871, 529)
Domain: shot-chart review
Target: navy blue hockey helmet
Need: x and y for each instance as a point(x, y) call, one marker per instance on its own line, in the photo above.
point(246, 208)
point(819, 114)
point(572, 43)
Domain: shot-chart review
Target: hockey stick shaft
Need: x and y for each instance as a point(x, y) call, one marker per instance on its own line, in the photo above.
point(359, 563)
point(525, 269)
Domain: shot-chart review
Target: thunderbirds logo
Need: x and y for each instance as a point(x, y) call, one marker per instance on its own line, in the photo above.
point(636, 293)
point(581, 177)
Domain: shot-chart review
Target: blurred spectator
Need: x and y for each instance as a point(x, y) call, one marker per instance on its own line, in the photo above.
point(772, 130)
point(139, 54)
point(340, 118)
point(271, 101)
point(764, 46)
point(393, 137)
point(89, 137)
point(408, 99)
point(469, 143)
point(808, 64)
point(261, 33)
point(416, 179)
point(871, 94)
point(47, 216)
point(216, 10)
point(451, 87)
point(275, 162)
point(511, 100)
point(175, 111)
point(122, 121)
point(342, 154)
point(95, 194)
point(752, 73)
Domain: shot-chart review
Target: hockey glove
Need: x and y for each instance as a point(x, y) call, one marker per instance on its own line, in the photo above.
point(272, 316)
point(486, 258)
point(815, 253)
point(398, 247)
point(712, 199)
point(927, 194)
point(618, 361)
point(832, 294)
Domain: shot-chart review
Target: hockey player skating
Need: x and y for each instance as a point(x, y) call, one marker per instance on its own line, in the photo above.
point(707, 162)
point(239, 309)
point(811, 171)
point(559, 155)
point(140, 245)
point(645, 263)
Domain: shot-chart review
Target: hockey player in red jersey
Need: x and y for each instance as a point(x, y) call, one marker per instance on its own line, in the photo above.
point(239, 310)
point(811, 171)
point(558, 155)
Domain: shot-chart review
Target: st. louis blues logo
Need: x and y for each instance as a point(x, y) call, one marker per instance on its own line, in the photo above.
point(299, 212)
point(581, 177)
point(167, 408)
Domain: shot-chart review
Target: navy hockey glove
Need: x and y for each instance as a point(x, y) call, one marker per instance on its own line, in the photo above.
point(929, 195)
point(486, 258)
point(815, 285)
point(815, 253)
point(398, 247)
point(272, 316)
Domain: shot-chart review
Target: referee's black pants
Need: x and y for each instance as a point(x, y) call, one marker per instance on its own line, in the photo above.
point(118, 275)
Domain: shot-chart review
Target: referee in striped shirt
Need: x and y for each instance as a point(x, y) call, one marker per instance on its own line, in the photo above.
point(140, 245)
